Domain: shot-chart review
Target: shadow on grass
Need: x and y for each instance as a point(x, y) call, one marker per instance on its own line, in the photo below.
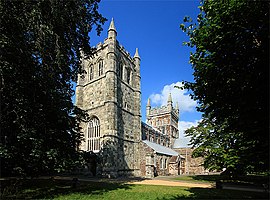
point(207, 177)
point(197, 178)
point(251, 179)
point(48, 189)
point(212, 193)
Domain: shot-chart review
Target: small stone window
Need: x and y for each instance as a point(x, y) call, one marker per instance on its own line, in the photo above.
point(161, 163)
point(163, 129)
point(128, 74)
point(91, 73)
point(120, 70)
point(100, 67)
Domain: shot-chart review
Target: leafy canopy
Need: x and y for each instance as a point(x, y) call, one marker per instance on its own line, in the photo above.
point(41, 44)
point(231, 83)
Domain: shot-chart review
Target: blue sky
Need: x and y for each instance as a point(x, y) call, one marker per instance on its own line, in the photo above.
point(153, 28)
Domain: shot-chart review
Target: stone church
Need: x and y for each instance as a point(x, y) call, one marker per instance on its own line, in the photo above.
point(110, 92)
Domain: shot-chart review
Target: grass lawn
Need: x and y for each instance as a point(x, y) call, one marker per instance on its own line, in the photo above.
point(60, 189)
point(248, 179)
point(198, 178)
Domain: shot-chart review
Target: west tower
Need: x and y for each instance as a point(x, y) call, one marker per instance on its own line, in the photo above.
point(110, 93)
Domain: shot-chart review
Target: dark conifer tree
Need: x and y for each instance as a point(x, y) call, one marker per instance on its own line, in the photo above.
point(41, 44)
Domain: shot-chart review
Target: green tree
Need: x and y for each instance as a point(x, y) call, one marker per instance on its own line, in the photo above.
point(231, 85)
point(218, 149)
point(41, 44)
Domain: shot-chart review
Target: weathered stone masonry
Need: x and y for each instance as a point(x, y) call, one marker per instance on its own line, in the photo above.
point(110, 92)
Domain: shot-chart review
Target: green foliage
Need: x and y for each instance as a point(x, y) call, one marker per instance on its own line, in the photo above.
point(220, 148)
point(231, 83)
point(41, 44)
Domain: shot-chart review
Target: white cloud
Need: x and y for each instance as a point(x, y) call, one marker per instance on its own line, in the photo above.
point(183, 141)
point(184, 125)
point(186, 104)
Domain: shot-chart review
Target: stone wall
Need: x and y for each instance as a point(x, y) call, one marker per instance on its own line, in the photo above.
point(155, 164)
point(176, 166)
point(192, 165)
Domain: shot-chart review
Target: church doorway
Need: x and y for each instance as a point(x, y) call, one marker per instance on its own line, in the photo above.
point(91, 162)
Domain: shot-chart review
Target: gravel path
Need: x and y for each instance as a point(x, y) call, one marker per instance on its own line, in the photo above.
point(172, 183)
point(156, 181)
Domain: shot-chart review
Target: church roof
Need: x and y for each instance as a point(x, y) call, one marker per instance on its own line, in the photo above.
point(160, 149)
point(174, 159)
point(150, 127)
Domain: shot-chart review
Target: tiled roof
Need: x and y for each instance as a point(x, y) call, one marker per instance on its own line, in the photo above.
point(161, 149)
point(174, 159)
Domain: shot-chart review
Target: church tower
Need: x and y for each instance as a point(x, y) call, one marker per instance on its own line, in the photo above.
point(110, 93)
point(164, 119)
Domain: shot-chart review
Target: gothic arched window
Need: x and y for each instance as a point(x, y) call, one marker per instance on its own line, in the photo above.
point(93, 135)
point(100, 67)
point(120, 70)
point(128, 75)
point(91, 72)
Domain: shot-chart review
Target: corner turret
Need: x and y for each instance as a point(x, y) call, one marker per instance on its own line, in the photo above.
point(137, 54)
point(137, 61)
point(176, 106)
point(148, 107)
point(169, 102)
point(112, 33)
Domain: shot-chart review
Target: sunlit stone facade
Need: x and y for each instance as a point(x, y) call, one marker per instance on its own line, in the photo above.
point(110, 92)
